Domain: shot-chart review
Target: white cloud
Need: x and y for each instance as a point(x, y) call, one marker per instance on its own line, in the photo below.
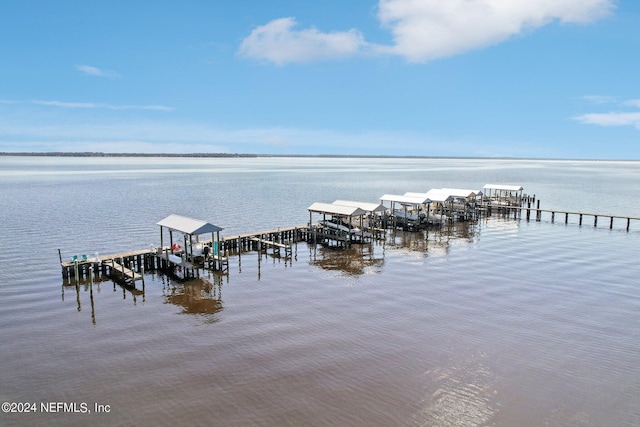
point(92, 105)
point(599, 99)
point(633, 103)
point(611, 119)
point(422, 30)
point(94, 71)
point(279, 43)
point(17, 134)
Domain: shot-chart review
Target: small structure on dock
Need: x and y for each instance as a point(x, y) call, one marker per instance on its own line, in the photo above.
point(197, 251)
point(456, 204)
point(374, 216)
point(503, 195)
point(336, 227)
point(409, 211)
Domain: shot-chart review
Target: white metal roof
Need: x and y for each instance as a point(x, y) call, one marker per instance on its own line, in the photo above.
point(503, 187)
point(369, 207)
point(439, 195)
point(416, 199)
point(332, 209)
point(461, 192)
point(188, 225)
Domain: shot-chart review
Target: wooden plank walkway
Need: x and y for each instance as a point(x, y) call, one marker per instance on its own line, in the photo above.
point(275, 245)
point(538, 215)
point(102, 259)
point(127, 273)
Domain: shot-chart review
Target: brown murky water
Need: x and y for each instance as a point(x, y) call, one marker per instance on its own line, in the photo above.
point(500, 323)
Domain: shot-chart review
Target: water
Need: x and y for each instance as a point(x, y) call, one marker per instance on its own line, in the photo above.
point(502, 323)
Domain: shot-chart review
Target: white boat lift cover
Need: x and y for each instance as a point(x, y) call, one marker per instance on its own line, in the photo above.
point(332, 209)
point(369, 207)
point(407, 199)
point(436, 195)
point(187, 225)
point(462, 192)
point(502, 187)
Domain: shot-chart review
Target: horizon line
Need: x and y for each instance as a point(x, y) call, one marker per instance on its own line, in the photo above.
point(248, 155)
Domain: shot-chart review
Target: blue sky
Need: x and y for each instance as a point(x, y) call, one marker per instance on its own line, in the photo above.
point(518, 78)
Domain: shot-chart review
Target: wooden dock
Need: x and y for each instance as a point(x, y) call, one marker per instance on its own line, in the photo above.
point(130, 267)
point(507, 210)
point(126, 266)
point(127, 273)
point(277, 246)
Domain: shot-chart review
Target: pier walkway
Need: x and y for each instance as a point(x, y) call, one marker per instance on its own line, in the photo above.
point(538, 214)
point(336, 232)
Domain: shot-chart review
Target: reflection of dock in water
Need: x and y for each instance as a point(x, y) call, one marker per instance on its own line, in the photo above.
point(432, 242)
point(88, 286)
point(353, 261)
point(196, 296)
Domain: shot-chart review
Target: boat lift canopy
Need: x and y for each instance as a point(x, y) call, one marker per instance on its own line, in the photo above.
point(369, 207)
point(333, 209)
point(434, 195)
point(462, 192)
point(407, 199)
point(189, 227)
point(502, 187)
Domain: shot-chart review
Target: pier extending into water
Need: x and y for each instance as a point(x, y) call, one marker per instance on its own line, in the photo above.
point(343, 223)
point(528, 210)
point(129, 267)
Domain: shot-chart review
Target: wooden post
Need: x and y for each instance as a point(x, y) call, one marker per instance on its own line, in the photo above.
point(553, 216)
point(580, 223)
point(628, 222)
point(611, 224)
point(566, 217)
point(595, 220)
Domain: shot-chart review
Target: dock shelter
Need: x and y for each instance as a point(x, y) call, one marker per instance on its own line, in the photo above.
point(189, 228)
point(412, 205)
point(441, 201)
point(372, 208)
point(339, 227)
point(375, 211)
point(462, 193)
point(503, 194)
point(457, 203)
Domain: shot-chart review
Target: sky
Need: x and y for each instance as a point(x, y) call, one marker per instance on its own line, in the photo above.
point(470, 78)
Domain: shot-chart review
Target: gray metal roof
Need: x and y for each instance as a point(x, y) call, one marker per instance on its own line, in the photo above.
point(188, 225)
point(369, 207)
point(332, 209)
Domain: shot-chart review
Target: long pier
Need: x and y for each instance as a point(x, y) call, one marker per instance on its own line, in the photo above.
point(129, 267)
point(581, 215)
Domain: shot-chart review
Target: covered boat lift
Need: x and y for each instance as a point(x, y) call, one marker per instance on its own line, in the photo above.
point(375, 211)
point(413, 200)
point(504, 194)
point(336, 230)
point(189, 227)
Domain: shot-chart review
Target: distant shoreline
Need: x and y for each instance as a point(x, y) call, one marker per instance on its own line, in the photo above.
point(249, 155)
